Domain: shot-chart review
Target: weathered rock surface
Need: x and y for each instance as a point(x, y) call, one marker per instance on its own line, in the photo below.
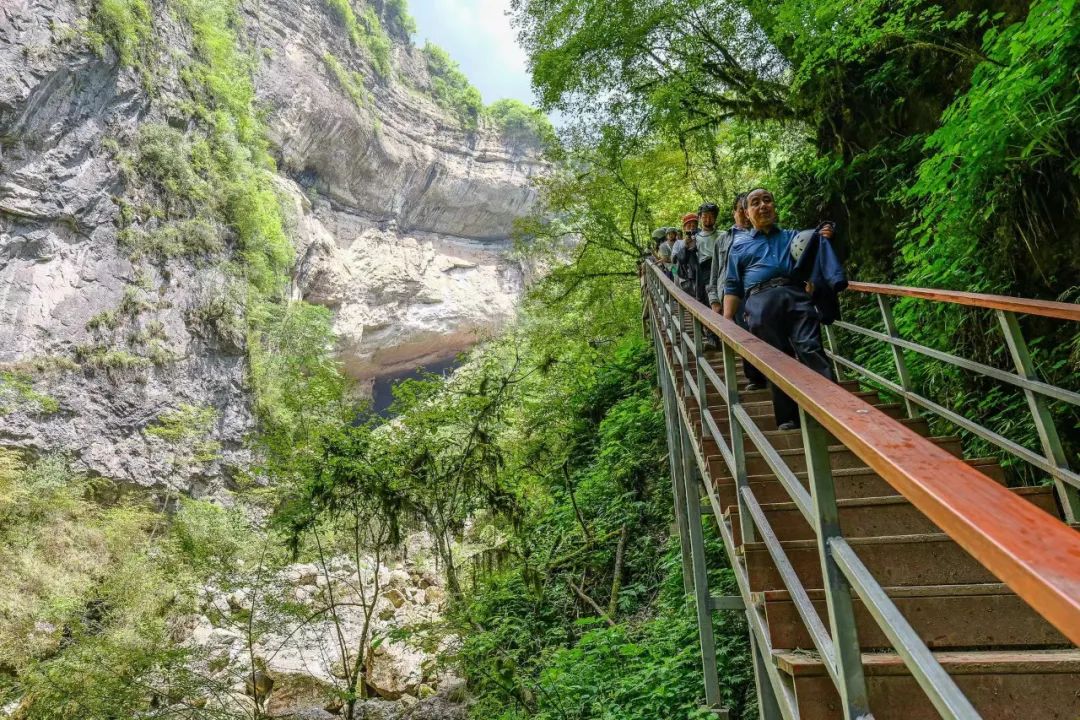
point(301, 649)
point(401, 219)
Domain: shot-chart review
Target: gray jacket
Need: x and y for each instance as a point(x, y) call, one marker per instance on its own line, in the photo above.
point(714, 288)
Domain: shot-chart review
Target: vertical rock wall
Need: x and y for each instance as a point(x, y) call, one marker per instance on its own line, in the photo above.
point(400, 221)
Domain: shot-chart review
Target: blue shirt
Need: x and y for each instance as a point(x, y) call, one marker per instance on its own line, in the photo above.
point(757, 257)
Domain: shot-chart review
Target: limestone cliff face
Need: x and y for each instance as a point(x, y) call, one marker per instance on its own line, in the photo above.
point(399, 217)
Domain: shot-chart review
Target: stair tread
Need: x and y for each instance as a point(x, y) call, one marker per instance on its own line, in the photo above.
point(969, 590)
point(955, 662)
point(838, 472)
point(893, 500)
point(939, 440)
point(856, 541)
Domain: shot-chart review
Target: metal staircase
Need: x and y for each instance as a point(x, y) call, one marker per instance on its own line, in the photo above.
point(882, 574)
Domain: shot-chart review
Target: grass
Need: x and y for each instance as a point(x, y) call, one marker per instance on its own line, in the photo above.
point(351, 83)
point(94, 594)
point(198, 237)
point(451, 89)
point(125, 25)
point(100, 357)
point(187, 429)
point(17, 394)
point(366, 33)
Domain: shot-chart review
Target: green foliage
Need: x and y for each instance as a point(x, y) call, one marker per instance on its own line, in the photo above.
point(352, 83)
point(1001, 170)
point(17, 394)
point(300, 392)
point(397, 12)
point(520, 124)
point(89, 598)
point(450, 88)
point(376, 42)
point(220, 78)
point(114, 360)
point(344, 11)
point(196, 237)
point(216, 541)
point(585, 447)
point(188, 428)
point(367, 33)
point(125, 25)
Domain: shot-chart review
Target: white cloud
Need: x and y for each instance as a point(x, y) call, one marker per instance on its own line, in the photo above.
point(478, 35)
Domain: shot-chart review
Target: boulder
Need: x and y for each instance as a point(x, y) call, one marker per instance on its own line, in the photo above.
point(398, 579)
point(395, 597)
point(239, 600)
point(295, 693)
point(435, 595)
point(394, 669)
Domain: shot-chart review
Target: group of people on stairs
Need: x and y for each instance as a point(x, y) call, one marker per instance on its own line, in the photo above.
point(779, 284)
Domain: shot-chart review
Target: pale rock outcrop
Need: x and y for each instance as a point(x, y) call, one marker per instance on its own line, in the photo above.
point(304, 658)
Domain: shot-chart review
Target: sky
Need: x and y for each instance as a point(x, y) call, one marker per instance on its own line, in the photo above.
point(478, 35)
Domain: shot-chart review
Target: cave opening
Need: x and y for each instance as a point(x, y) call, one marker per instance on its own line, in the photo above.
point(382, 390)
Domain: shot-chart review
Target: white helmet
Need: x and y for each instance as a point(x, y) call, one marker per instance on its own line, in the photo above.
point(799, 243)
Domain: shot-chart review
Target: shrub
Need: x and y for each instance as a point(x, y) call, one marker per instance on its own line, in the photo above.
point(88, 598)
point(520, 124)
point(366, 33)
point(343, 10)
point(450, 88)
point(17, 393)
point(164, 160)
point(376, 42)
point(99, 357)
point(187, 429)
point(212, 538)
point(397, 12)
point(351, 83)
point(123, 24)
point(195, 237)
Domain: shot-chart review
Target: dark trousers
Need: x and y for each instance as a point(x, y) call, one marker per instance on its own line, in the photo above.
point(785, 318)
point(702, 296)
point(753, 375)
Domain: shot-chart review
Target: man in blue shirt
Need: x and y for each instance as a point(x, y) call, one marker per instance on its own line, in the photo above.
point(778, 307)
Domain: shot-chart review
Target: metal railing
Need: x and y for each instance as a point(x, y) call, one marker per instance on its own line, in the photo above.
point(992, 524)
point(1037, 393)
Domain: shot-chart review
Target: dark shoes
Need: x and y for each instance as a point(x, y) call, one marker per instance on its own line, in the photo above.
point(789, 426)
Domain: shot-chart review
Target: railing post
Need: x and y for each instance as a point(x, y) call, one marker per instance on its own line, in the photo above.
point(675, 463)
point(852, 683)
point(768, 706)
point(683, 350)
point(702, 594)
point(699, 364)
point(831, 342)
point(738, 442)
point(897, 353)
point(1040, 414)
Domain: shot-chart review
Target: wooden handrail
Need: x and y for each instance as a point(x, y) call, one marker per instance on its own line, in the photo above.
point(1045, 308)
point(1031, 551)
